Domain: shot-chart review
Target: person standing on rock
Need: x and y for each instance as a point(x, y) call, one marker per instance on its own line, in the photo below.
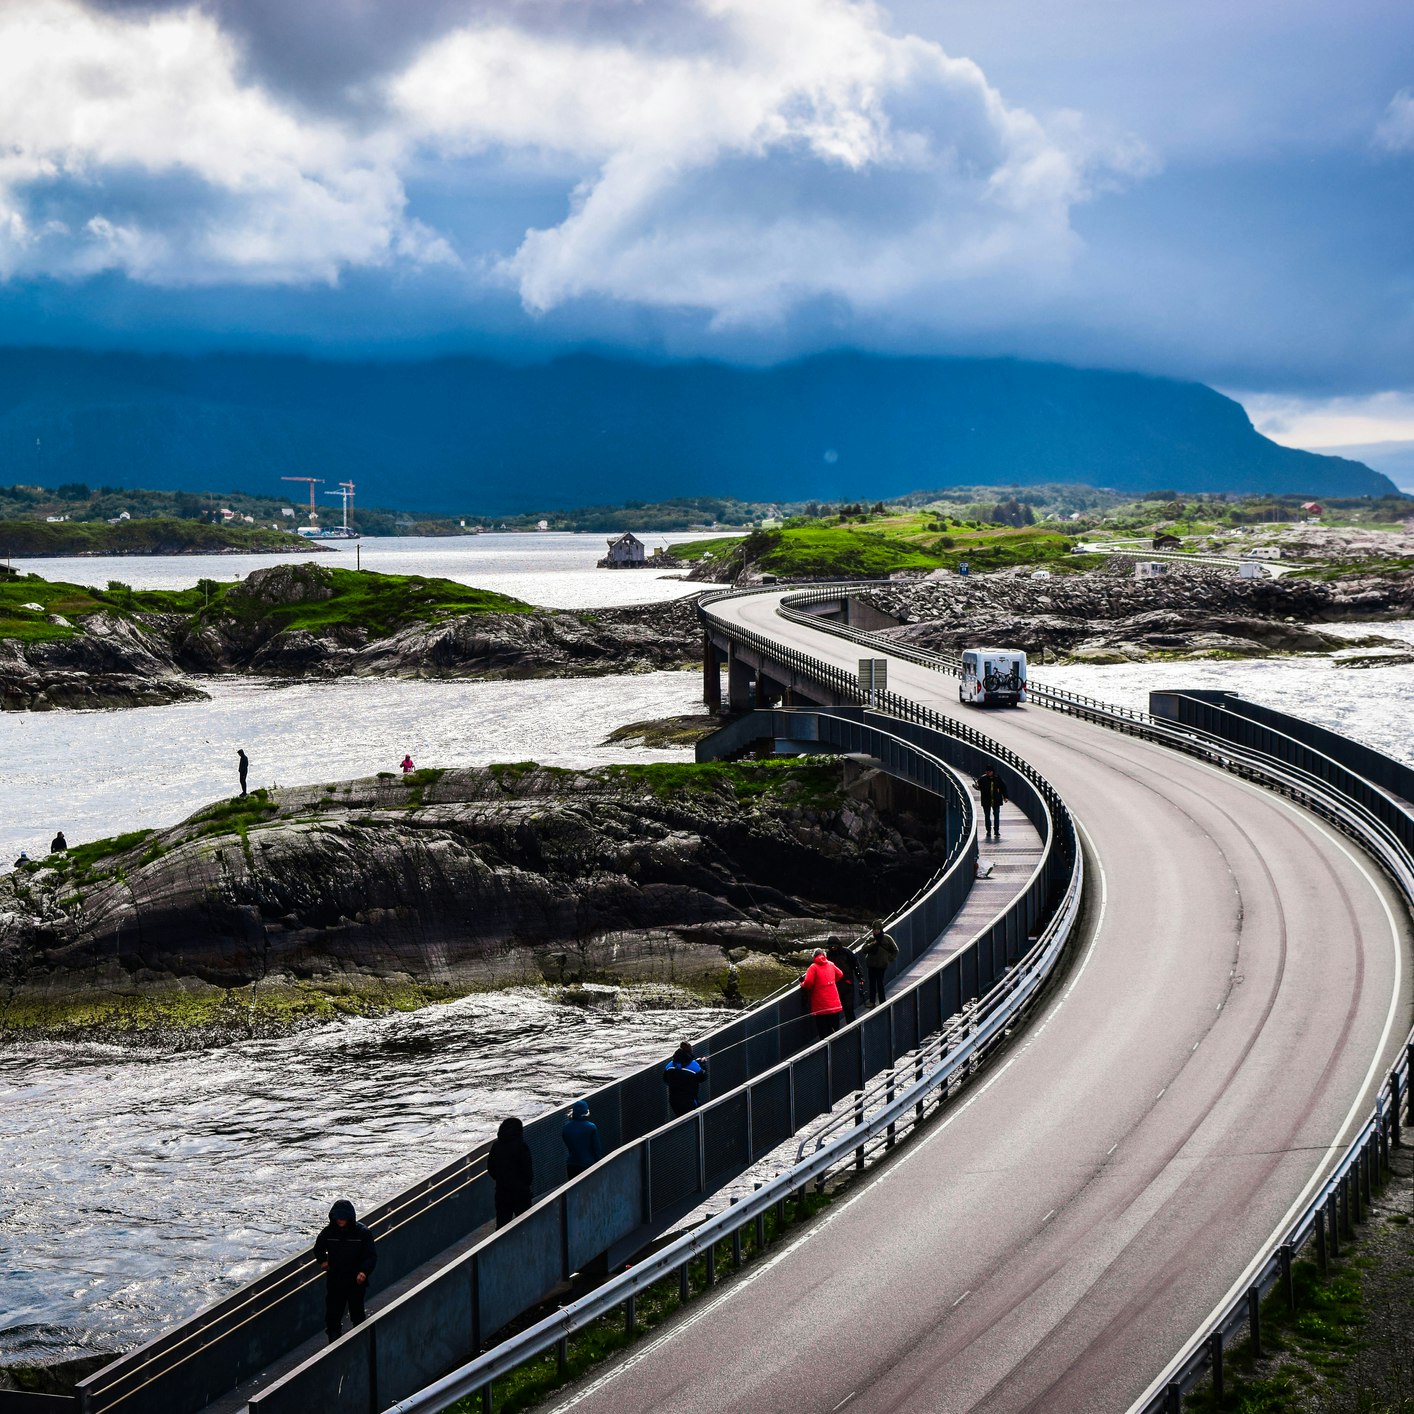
point(346, 1255)
point(406, 764)
point(851, 976)
point(512, 1170)
point(581, 1140)
point(879, 952)
point(993, 792)
point(821, 985)
point(58, 844)
point(684, 1075)
point(243, 766)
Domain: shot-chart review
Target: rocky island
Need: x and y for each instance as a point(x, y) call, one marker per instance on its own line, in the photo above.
point(66, 646)
point(1105, 615)
point(263, 911)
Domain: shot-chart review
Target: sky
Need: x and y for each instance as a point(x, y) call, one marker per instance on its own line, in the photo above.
point(1194, 188)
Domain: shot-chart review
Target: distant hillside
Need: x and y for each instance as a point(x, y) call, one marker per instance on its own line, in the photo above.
point(468, 433)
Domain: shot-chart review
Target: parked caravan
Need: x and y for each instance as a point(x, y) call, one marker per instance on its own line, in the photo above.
point(993, 677)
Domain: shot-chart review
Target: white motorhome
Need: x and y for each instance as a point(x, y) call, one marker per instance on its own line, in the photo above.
point(993, 677)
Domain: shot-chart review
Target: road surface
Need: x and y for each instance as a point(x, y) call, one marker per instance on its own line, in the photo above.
point(1237, 995)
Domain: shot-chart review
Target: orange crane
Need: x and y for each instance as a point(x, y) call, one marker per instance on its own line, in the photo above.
point(313, 482)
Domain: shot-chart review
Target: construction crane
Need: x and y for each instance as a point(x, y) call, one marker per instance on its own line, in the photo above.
point(346, 490)
point(313, 482)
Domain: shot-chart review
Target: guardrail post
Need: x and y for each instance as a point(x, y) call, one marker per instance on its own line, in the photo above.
point(859, 1115)
point(1321, 1254)
point(711, 1264)
point(1173, 1397)
point(1254, 1320)
point(1333, 1203)
point(1215, 1354)
point(1409, 1082)
point(760, 1231)
point(1288, 1286)
point(631, 1317)
point(683, 1290)
point(1394, 1136)
point(736, 1246)
point(562, 1356)
point(1372, 1152)
point(488, 1401)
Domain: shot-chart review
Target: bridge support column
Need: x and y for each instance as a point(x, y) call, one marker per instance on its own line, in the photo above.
point(738, 682)
point(711, 676)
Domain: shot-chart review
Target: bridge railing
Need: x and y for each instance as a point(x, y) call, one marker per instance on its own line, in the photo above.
point(185, 1369)
point(658, 1178)
point(1347, 784)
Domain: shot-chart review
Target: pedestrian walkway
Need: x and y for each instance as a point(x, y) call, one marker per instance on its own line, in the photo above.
point(1013, 857)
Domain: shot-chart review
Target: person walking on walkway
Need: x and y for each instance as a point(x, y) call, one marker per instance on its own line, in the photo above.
point(512, 1170)
point(406, 764)
point(821, 984)
point(684, 1075)
point(346, 1255)
point(993, 792)
point(879, 952)
point(58, 844)
point(243, 766)
point(581, 1138)
point(851, 976)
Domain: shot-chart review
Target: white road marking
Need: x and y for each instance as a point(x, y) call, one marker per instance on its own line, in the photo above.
point(845, 1400)
point(962, 1298)
point(1049, 1216)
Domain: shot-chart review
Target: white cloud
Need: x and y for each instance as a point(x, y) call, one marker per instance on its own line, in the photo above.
point(1395, 132)
point(1312, 423)
point(799, 151)
point(736, 157)
point(97, 111)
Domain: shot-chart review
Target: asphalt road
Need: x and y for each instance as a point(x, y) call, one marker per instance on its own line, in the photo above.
point(1236, 997)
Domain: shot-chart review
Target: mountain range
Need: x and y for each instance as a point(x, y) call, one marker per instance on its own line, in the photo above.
point(471, 434)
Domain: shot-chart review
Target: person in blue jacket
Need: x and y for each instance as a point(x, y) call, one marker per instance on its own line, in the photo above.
point(581, 1138)
point(684, 1075)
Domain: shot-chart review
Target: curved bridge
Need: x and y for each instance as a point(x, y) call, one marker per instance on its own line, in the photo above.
point(1225, 1030)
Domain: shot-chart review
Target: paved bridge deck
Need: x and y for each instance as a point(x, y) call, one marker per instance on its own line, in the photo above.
point(1238, 994)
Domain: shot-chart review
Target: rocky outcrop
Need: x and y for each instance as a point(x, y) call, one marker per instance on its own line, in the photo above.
point(474, 876)
point(110, 662)
point(142, 659)
point(1108, 616)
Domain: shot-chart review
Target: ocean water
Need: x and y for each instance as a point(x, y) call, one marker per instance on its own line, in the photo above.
point(556, 570)
point(94, 774)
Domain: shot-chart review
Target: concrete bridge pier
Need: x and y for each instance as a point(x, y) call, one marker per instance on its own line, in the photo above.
point(739, 674)
point(711, 676)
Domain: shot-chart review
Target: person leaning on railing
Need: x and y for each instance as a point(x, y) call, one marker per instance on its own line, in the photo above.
point(879, 952)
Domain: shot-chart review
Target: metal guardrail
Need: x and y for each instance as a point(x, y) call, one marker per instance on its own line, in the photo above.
point(1252, 747)
point(993, 1015)
point(187, 1368)
point(617, 1206)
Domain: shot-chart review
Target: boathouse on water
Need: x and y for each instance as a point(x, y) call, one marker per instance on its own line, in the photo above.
point(625, 549)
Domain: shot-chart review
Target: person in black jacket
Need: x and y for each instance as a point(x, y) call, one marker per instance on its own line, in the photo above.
point(346, 1256)
point(684, 1075)
point(851, 985)
point(512, 1170)
point(993, 792)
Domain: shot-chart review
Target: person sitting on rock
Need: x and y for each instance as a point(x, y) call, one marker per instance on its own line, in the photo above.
point(23, 859)
point(58, 844)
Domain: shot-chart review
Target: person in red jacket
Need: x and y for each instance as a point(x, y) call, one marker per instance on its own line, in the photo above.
point(821, 984)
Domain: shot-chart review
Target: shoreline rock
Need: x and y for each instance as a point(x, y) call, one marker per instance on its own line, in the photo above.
point(389, 892)
point(1106, 616)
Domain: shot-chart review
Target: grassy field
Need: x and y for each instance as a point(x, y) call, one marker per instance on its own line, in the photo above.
point(380, 603)
point(881, 544)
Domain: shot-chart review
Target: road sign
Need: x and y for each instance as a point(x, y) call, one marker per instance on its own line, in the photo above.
point(874, 674)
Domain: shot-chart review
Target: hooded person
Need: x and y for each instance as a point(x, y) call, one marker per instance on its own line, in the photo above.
point(851, 983)
point(879, 952)
point(581, 1139)
point(512, 1170)
point(821, 984)
point(684, 1075)
point(346, 1255)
